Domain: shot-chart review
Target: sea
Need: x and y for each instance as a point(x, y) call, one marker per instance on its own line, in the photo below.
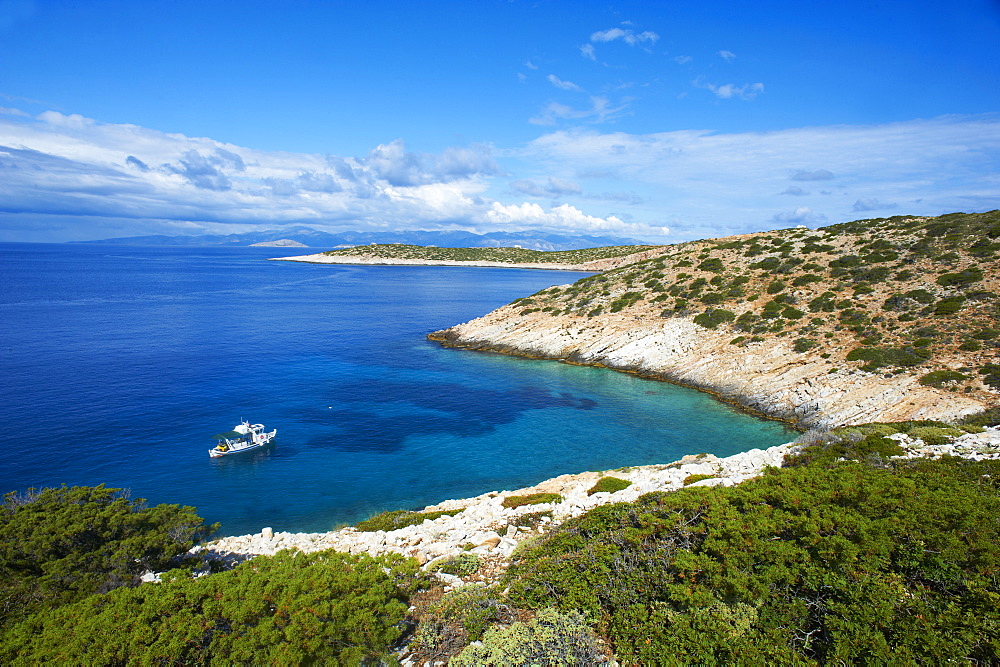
point(119, 363)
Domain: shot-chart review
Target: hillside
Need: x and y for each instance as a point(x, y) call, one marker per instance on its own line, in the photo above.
point(873, 320)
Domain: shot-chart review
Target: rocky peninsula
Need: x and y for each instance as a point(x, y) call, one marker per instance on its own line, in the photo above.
point(877, 320)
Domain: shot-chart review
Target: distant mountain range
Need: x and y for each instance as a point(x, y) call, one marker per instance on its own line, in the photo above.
point(532, 240)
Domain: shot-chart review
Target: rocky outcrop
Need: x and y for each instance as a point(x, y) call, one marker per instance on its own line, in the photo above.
point(768, 377)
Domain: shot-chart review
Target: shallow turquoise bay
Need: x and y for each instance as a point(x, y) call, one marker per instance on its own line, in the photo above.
point(117, 364)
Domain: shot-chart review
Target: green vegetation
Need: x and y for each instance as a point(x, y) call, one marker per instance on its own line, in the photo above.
point(459, 617)
point(461, 565)
point(58, 546)
point(551, 638)
point(939, 378)
point(506, 255)
point(288, 609)
point(843, 291)
point(846, 564)
point(609, 485)
point(397, 519)
point(691, 479)
point(531, 499)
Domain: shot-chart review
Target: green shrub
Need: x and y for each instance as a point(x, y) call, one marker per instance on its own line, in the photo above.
point(461, 616)
point(935, 435)
point(776, 286)
point(691, 479)
point(396, 519)
point(609, 485)
point(877, 357)
point(531, 520)
point(960, 279)
point(971, 346)
point(325, 608)
point(949, 305)
point(804, 344)
point(551, 638)
point(461, 565)
point(714, 265)
point(58, 545)
point(531, 499)
point(939, 378)
point(849, 564)
point(710, 319)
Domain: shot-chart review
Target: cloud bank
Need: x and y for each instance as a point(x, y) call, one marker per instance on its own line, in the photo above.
point(70, 177)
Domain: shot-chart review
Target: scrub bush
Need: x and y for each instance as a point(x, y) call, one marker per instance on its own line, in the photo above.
point(531, 499)
point(58, 545)
point(397, 519)
point(710, 319)
point(458, 618)
point(609, 485)
point(291, 608)
point(939, 378)
point(551, 638)
point(845, 564)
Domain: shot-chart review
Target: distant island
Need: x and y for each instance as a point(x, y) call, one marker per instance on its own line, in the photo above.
point(312, 238)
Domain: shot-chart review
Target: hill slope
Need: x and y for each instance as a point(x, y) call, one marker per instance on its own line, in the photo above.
point(873, 320)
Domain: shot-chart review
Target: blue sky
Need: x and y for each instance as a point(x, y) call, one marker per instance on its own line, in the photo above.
point(656, 121)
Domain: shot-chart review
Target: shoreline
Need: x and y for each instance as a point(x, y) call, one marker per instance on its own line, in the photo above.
point(769, 380)
point(485, 528)
point(321, 258)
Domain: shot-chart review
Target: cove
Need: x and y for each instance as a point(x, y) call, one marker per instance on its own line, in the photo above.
point(117, 364)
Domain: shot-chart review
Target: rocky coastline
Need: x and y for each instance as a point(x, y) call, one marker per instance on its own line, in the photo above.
point(486, 528)
point(766, 378)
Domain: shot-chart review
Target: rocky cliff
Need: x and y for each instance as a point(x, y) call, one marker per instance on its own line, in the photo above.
point(875, 320)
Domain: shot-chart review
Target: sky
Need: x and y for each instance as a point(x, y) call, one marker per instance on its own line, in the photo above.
point(655, 121)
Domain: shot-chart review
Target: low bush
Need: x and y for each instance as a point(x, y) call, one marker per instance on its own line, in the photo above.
point(396, 519)
point(949, 305)
point(58, 545)
point(609, 485)
point(804, 344)
point(960, 279)
point(531, 499)
point(327, 608)
point(551, 638)
point(691, 479)
point(461, 565)
point(710, 319)
point(877, 357)
point(459, 617)
point(846, 564)
point(939, 378)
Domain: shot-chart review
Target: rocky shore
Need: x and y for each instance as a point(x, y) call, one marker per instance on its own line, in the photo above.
point(488, 529)
point(767, 378)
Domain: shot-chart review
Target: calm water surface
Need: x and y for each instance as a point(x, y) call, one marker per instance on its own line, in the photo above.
point(117, 364)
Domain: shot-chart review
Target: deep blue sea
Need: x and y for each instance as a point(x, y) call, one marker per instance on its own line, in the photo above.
point(118, 364)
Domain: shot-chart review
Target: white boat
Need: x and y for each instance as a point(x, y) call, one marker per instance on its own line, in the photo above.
point(242, 438)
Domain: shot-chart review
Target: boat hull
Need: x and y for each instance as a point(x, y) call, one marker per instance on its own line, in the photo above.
point(259, 440)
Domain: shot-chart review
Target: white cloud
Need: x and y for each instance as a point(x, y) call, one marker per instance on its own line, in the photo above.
point(794, 190)
point(747, 91)
point(728, 56)
point(562, 217)
point(626, 36)
point(716, 183)
point(563, 85)
point(601, 110)
point(13, 112)
point(587, 51)
point(556, 187)
point(530, 65)
point(683, 60)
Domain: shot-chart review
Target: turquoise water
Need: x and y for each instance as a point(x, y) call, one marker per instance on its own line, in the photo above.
point(117, 364)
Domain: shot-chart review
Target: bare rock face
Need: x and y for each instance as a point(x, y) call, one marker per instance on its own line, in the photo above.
point(768, 377)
